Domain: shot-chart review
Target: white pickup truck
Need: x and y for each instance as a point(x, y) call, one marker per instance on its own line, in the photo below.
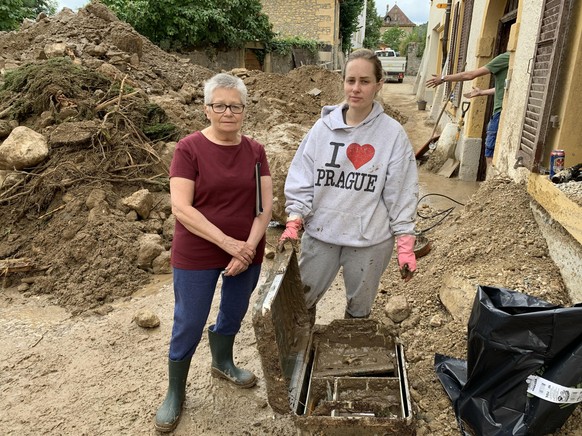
point(394, 66)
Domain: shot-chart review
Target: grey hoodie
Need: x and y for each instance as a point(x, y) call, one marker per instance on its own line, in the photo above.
point(354, 186)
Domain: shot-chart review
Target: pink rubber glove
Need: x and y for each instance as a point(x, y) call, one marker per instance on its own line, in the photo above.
point(406, 257)
point(291, 231)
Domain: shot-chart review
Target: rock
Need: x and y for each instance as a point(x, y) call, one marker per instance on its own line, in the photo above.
point(46, 119)
point(99, 10)
point(397, 308)
point(97, 51)
point(153, 225)
point(67, 112)
point(150, 247)
point(140, 201)
point(146, 319)
point(131, 215)
point(457, 296)
point(436, 321)
point(240, 72)
point(24, 148)
point(95, 197)
point(168, 227)
point(55, 50)
point(129, 42)
point(73, 134)
point(110, 71)
point(103, 310)
point(161, 264)
point(281, 143)
point(188, 91)
point(411, 322)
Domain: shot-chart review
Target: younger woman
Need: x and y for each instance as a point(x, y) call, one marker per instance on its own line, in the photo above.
point(353, 187)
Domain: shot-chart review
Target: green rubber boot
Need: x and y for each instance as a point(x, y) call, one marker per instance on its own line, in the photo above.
point(169, 412)
point(222, 364)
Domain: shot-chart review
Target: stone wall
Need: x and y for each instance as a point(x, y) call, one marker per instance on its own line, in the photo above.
point(228, 60)
point(413, 61)
point(216, 60)
point(315, 19)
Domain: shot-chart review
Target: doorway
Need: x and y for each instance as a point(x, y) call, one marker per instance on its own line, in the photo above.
point(504, 28)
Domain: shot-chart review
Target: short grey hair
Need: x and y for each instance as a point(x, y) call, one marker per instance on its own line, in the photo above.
point(224, 80)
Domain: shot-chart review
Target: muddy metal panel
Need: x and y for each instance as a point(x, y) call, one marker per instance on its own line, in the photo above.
point(281, 324)
point(345, 378)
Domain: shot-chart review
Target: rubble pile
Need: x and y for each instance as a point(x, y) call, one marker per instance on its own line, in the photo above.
point(90, 112)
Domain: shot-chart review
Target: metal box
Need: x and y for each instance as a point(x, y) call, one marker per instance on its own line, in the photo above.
point(346, 378)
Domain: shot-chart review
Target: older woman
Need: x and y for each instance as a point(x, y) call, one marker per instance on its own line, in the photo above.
point(219, 232)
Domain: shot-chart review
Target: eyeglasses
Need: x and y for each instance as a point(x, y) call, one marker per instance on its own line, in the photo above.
point(220, 108)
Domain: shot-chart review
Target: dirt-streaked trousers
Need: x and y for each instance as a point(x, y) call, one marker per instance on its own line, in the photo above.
point(363, 267)
point(193, 293)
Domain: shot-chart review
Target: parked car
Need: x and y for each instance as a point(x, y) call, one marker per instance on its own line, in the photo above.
point(393, 65)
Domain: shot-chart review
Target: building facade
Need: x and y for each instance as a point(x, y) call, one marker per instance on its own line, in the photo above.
point(396, 18)
point(313, 19)
point(540, 104)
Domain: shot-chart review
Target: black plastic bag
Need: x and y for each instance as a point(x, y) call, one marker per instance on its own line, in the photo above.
point(512, 336)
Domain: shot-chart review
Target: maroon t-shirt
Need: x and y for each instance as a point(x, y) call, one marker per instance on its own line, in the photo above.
point(224, 192)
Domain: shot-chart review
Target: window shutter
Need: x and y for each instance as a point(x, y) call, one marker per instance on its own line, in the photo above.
point(453, 47)
point(463, 44)
point(543, 69)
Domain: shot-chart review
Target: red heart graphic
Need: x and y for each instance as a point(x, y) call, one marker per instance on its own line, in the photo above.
point(360, 154)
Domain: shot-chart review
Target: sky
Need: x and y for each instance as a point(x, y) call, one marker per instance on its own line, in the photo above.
point(71, 4)
point(416, 10)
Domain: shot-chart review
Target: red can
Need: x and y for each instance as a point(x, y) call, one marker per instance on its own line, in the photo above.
point(557, 161)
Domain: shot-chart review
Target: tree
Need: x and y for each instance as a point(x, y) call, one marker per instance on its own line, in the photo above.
point(350, 10)
point(392, 37)
point(418, 36)
point(200, 23)
point(49, 7)
point(373, 24)
point(12, 12)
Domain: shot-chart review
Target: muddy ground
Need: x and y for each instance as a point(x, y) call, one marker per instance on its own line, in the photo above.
point(102, 374)
point(74, 361)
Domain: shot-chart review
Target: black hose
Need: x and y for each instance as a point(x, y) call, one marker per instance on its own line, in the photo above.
point(445, 213)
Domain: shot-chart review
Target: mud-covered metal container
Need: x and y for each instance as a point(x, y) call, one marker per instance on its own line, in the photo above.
point(347, 378)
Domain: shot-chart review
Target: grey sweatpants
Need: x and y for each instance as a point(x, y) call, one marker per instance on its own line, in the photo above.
point(319, 263)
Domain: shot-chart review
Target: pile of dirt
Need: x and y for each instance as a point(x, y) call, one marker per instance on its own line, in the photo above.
point(111, 105)
point(493, 240)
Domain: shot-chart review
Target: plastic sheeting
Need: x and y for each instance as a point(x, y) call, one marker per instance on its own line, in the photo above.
point(512, 336)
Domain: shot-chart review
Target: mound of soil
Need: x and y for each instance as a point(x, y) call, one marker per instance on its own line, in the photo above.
point(68, 217)
point(111, 105)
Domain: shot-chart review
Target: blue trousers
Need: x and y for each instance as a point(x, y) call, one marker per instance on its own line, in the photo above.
point(491, 135)
point(193, 293)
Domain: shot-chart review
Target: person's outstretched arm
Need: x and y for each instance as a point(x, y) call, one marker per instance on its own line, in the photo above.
point(463, 76)
point(478, 92)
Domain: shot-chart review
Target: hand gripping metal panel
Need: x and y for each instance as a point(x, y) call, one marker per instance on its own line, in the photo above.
point(345, 378)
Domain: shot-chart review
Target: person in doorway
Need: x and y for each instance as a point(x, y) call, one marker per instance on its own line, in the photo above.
point(218, 234)
point(498, 67)
point(353, 187)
